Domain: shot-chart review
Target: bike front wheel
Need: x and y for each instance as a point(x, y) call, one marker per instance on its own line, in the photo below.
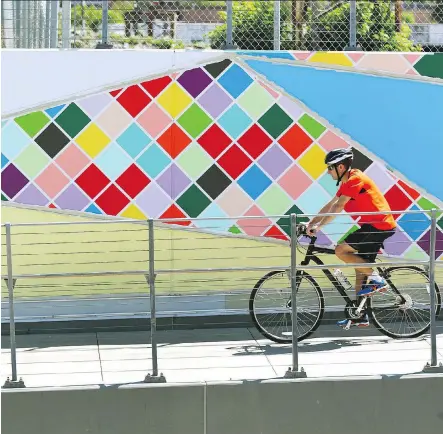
point(271, 311)
point(404, 309)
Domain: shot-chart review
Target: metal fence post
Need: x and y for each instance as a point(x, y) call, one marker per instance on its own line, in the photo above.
point(433, 367)
point(66, 24)
point(53, 33)
point(105, 15)
point(229, 39)
point(294, 372)
point(13, 383)
point(352, 26)
point(276, 24)
point(154, 378)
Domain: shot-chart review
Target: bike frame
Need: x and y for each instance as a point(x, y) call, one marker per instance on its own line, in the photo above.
point(310, 256)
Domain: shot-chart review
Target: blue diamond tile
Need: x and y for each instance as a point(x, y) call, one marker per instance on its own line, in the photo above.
point(14, 140)
point(113, 161)
point(235, 80)
point(134, 140)
point(254, 182)
point(5, 161)
point(414, 224)
point(93, 209)
point(54, 111)
point(153, 161)
point(235, 121)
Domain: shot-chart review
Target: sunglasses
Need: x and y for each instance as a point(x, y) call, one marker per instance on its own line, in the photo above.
point(330, 168)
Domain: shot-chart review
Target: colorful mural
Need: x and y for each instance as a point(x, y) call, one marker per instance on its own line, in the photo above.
point(211, 141)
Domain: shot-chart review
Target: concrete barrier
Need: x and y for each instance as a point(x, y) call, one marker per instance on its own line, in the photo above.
point(373, 405)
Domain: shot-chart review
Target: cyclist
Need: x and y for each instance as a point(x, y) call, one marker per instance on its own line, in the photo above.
point(357, 192)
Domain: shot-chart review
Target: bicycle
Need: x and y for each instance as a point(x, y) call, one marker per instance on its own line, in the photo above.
point(398, 301)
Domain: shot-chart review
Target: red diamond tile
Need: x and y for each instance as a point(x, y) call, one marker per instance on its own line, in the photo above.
point(254, 141)
point(132, 181)
point(134, 100)
point(112, 200)
point(114, 93)
point(154, 87)
point(173, 212)
point(295, 141)
point(174, 140)
point(275, 232)
point(92, 181)
point(214, 141)
point(234, 161)
point(398, 201)
point(51, 205)
point(413, 193)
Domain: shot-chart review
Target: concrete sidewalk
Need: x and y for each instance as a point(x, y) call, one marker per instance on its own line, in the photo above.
point(208, 355)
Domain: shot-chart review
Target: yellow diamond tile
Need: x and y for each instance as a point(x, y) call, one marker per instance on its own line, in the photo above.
point(93, 140)
point(313, 161)
point(133, 212)
point(174, 100)
point(331, 59)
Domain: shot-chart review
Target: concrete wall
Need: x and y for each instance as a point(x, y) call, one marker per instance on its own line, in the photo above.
point(367, 406)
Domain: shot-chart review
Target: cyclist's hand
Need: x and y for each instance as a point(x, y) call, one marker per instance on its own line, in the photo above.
point(311, 230)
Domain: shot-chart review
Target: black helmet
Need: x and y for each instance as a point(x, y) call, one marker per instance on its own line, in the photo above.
point(337, 155)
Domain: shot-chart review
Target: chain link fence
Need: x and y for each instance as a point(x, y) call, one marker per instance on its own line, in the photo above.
point(335, 25)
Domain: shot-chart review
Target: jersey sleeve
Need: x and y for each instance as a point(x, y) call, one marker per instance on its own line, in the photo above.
point(351, 187)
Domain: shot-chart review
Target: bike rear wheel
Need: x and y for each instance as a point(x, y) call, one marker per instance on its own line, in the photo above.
point(270, 306)
point(408, 317)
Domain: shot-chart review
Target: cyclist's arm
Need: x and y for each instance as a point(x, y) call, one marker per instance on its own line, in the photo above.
point(335, 205)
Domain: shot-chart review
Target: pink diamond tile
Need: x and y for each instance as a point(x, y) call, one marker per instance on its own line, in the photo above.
point(254, 227)
point(330, 141)
point(355, 57)
point(72, 160)
point(295, 182)
point(301, 55)
point(412, 58)
point(154, 120)
point(412, 72)
point(114, 120)
point(272, 92)
point(52, 181)
point(234, 201)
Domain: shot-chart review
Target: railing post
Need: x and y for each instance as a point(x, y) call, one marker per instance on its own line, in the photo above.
point(229, 39)
point(11, 383)
point(276, 24)
point(104, 44)
point(53, 33)
point(433, 367)
point(66, 24)
point(154, 378)
point(352, 26)
point(294, 372)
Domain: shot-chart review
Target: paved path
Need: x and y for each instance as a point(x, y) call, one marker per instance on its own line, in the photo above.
point(207, 355)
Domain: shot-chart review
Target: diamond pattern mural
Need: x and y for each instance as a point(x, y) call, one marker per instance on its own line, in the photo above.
point(210, 141)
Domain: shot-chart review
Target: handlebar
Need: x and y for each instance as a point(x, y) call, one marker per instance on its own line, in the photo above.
point(301, 230)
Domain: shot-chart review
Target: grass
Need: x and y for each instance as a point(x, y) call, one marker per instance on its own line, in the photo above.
point(93, 247)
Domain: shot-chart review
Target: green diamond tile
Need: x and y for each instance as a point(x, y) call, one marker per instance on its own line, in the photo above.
point(314, 128)
point(194, 161)
point(72, 120)
point(194, 120)
point(193, 201)
point(234, 230)
point(285, 222)
point(4, 197)
point(440, 223)
point(275, 121)
point(31, 161)
point(430, 65)
point(427, 205)
point(353, 229)
point(255, 101)
point(32, 123)
point(274, 201)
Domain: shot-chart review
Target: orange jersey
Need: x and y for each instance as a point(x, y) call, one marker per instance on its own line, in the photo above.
point(366, 197)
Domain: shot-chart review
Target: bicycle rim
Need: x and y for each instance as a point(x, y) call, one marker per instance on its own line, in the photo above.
point(406, 318)
point(271, 312)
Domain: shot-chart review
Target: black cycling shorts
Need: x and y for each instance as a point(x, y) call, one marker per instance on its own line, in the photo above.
point(368, 240)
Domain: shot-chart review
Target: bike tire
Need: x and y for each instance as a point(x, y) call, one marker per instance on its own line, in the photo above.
point(253, 307)
point(375, 314)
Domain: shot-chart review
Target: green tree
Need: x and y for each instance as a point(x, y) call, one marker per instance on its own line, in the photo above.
point(376, 29)
point(252, 25)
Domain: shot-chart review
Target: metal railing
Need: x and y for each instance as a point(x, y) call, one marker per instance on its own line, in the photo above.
point(165, 248)
point(312, 25)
